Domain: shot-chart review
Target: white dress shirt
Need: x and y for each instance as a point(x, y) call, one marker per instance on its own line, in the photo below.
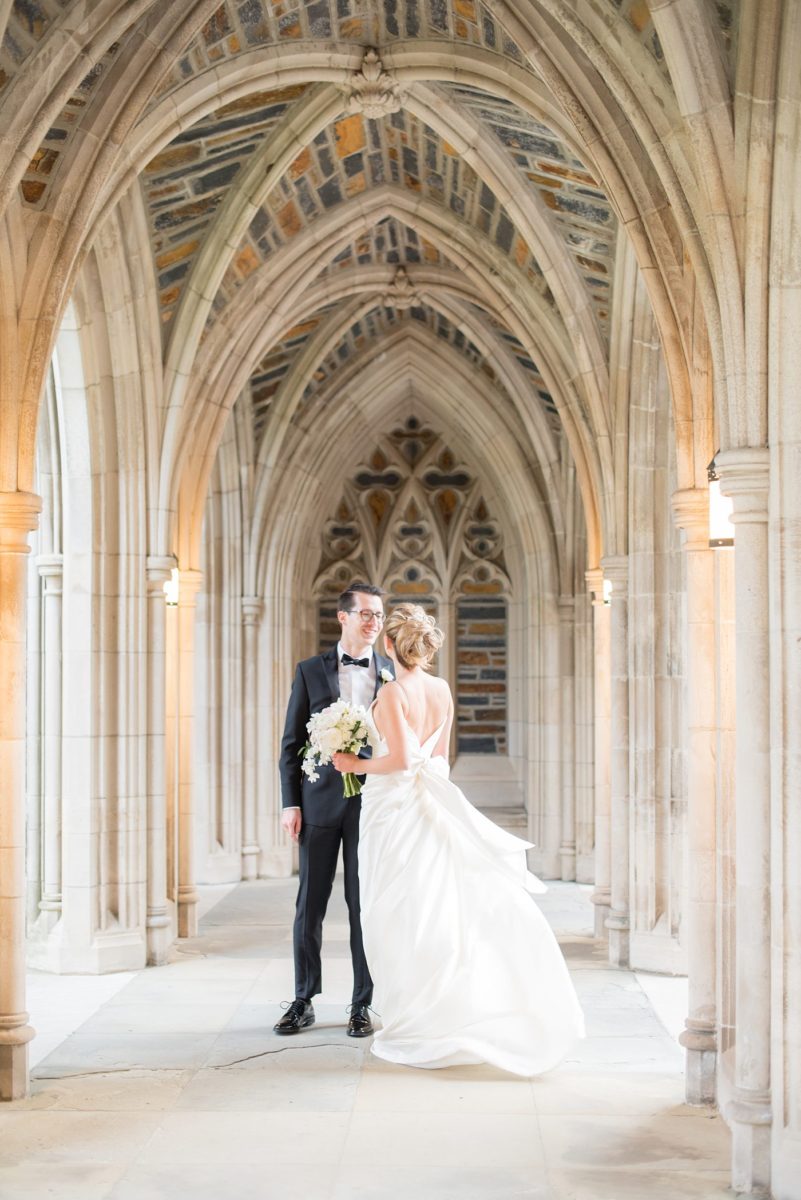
point(356, 684)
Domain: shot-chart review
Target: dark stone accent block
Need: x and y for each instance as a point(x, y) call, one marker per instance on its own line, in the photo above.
point(476, 745)
point(330, 193)
point(217, 179)
point(319, 20)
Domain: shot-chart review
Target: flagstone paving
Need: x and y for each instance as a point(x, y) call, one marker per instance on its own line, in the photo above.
point(169, 1084)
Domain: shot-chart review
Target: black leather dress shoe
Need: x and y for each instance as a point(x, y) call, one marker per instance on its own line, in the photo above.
point(359, 1024)
point(299, 1015)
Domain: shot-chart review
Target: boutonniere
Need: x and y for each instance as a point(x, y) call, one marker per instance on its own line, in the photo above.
point(386, 675)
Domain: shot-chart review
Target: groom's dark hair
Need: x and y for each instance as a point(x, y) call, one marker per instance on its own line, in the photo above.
point(346, 599)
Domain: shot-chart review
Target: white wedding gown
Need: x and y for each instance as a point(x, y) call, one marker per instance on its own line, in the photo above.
point(465, 966)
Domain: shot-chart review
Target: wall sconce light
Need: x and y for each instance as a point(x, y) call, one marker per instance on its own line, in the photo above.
point(172, 587)
point(607, 591)
point(721, 529)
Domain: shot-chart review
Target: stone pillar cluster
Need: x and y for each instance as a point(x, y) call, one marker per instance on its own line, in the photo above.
point(18, 517)
point(745, 477)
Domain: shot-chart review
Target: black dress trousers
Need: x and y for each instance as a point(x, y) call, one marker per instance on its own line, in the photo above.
point(319, 849)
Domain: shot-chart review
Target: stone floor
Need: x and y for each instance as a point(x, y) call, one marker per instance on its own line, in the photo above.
point(169, 1085)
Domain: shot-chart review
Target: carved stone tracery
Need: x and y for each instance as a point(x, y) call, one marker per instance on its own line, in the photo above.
point(413, 518)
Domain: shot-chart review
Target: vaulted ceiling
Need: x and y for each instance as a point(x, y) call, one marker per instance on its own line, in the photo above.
point(514, 158)
point(387, 178)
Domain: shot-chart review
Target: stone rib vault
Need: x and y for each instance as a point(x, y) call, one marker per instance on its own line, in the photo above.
point(465, 296)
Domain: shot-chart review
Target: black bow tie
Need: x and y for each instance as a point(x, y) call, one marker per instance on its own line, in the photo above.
point(347, 661)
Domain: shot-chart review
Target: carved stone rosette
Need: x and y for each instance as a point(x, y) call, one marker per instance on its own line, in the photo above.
point(372, 91)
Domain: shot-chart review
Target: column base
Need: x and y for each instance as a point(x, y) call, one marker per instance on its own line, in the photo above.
point(123, 950)
point(14, 1064)
point(187, 914)
point(159, 938)
point(568, 856)
point(277, 863)
point(749, 1117)
point(701, 1063)
point(602, 902)
point(250, 862)
point(619, 951)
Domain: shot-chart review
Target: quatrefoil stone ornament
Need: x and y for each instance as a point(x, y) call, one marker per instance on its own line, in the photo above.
point(372, 91)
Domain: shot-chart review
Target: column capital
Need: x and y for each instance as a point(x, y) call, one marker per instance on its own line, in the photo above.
point(191, 582)
point(159, 569)
point(19, 516)
point(616, 570)
point(691, 513)
point(594, 578)
point(252, 607)
point(745, 476)
point(50, 566)
point(159, 566)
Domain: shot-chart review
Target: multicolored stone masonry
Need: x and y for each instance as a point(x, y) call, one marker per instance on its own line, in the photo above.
point(481, 676)
point(583, 214)
point(380, 322)
point(244, 25)
point(185, 184)
point(355, 155)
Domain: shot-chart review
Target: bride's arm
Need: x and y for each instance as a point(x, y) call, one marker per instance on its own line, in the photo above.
point(390, 713)
point(444, 739)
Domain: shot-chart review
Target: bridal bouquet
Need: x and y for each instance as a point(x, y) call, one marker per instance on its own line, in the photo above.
point(340, 727)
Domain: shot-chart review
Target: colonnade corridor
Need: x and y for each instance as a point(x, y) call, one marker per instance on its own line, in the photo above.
point(494, 305)
point(170, 1085)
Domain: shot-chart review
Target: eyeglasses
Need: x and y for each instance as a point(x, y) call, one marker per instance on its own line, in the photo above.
point(366, 615)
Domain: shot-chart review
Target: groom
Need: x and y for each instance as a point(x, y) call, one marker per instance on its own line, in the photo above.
point(317, 815)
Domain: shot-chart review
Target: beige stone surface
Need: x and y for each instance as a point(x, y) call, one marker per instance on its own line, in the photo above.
point(240, 245)
point(322, 1117)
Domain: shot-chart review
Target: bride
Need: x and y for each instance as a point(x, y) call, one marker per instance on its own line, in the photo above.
point(466, 967)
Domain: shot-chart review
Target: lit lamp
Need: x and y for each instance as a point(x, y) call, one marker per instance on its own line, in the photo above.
point(172, 587)
point(607, 591)
point(721, 529)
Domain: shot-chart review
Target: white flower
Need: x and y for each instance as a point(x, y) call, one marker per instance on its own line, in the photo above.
point(386, 675)
point(341, 726)
point(307, 767)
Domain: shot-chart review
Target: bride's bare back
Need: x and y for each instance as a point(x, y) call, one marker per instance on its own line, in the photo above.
point(426, 704)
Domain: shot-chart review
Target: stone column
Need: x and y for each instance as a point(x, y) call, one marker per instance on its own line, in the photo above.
point(190, 584)
point(51, 571)
point(19, 513)
point(744, 476)
point(691, 514)
point(618, 923)
point(157, 920)
point(601, 610)
point(567, 849)
point(448, 657)
point(251, 617)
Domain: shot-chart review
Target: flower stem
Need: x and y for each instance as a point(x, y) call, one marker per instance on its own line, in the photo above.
point(352, 785)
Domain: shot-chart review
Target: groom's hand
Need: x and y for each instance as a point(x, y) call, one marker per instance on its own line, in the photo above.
point(291, 821)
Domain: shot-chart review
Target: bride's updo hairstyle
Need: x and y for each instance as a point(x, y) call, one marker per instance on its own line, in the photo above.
point(414, 635)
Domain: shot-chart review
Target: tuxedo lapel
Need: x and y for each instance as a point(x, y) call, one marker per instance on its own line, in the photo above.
point(381, 664)
point(331, 669)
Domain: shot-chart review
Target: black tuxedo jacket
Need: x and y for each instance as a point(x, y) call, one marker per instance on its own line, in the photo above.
point(315, 686)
